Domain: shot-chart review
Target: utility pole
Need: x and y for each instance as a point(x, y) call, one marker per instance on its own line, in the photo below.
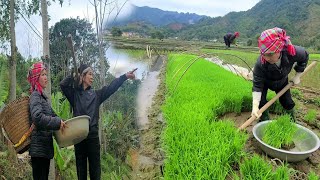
point(46, 56)
point(12, 59)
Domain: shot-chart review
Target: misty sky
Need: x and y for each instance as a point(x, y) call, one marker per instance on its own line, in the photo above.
point(29, 43)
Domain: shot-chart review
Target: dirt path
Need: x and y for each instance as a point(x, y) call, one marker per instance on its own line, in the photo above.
point(146, 161)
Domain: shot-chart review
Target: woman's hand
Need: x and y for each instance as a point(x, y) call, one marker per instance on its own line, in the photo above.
point(130, 74)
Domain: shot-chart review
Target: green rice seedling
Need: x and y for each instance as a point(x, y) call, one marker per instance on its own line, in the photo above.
point(313, 176)
point(234, 176)
point(296, 93)
point(311, 115)
point(317, 101)
point(279, 133)
point(255, 168)
point(196, 143)
point(283, 173)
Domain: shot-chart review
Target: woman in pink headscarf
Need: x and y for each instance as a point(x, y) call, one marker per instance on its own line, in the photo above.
point(44, 120)
point(277, 57)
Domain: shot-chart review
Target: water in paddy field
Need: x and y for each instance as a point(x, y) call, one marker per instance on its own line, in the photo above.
point(121, 61)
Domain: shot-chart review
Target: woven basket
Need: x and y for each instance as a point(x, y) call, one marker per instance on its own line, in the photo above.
point(15, 122)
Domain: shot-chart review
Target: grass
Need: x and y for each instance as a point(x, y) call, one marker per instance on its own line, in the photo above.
point(249, 57)
point(296, 93)
point(133, 54)
point(313, 176)
point(12, 169)
point(283, 173)
point(311, 115)
point(279, 133)
point(312, 78)
point(317, 101)
point(255, 168)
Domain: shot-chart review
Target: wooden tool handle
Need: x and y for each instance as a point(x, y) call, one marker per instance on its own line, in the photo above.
point(70, 44)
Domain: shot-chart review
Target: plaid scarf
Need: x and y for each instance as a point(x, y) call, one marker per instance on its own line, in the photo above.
point(237, 34)
point(274, 41)
point(33, 76)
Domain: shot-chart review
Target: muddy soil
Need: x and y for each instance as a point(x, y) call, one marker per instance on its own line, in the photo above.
point(147, 160)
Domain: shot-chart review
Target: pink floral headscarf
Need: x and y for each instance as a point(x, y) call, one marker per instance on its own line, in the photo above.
point(34, 74)
point(273, 41)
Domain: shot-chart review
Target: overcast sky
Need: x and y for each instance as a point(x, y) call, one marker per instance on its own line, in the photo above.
point(29, 43)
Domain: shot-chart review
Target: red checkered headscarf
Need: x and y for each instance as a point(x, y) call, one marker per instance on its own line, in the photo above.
point(274, 41)
point(34, 74)
point(237, 34)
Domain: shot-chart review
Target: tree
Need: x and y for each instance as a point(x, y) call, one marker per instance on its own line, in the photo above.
point(116, 32)
point(157, 35)
point(100, 12)
point(12, 59)
point(9, 11)
point(85, 44)
point(249, 42)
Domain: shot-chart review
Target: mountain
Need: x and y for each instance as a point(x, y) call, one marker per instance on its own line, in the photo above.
point(156, 17)
point(300, 18)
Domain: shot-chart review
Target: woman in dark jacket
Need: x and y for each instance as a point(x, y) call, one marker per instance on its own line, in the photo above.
point(271, 71)
point(44, 121)
point(86, 101)
point(229, 38)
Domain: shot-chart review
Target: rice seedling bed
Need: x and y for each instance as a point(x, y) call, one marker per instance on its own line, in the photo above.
point(197, 144)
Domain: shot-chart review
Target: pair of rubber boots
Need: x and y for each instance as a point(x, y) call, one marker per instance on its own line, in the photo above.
point(265, 115)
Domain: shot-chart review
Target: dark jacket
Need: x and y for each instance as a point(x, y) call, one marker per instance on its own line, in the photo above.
point(45, 120)
point(230, 37)
point(273, 76)
point(87, 102)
